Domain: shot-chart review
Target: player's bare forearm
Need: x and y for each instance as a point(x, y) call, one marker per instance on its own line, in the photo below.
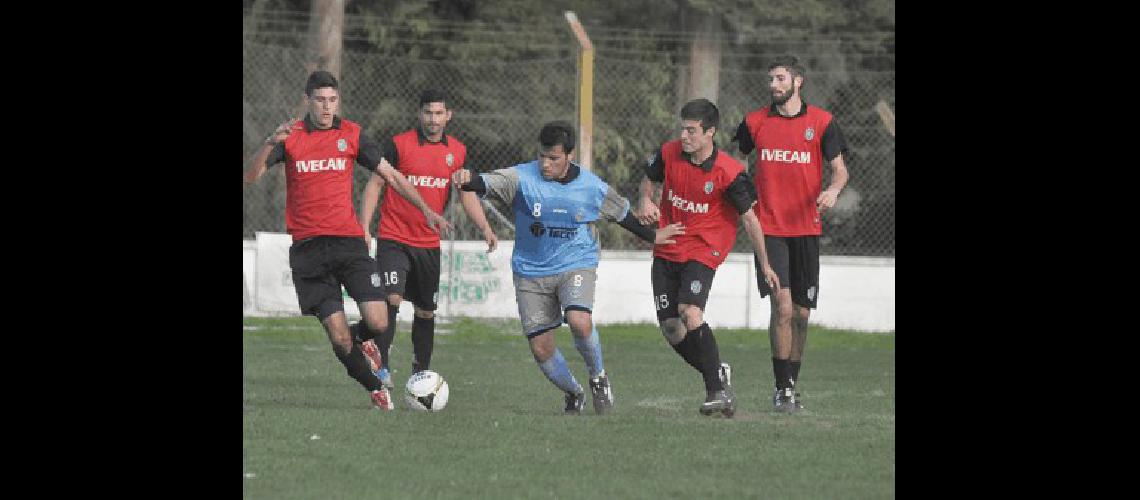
point(647, 211)
point(370, 199)
point(257, 169)
point(839, 174)
point(830, 196)
point(474, 210)
point(755, 233)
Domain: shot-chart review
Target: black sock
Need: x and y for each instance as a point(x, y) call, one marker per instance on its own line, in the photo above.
point(690, 350)
point(384, 340)
point(423, 339)
point(360, 332)
point(710, 358)
point(795, 371)
point(357, 367)
point(782, 371)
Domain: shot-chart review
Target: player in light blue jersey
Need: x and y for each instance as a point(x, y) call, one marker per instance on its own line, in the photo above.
point(555, 204)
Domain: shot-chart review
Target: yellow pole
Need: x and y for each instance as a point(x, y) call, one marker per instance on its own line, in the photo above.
point(585, 92)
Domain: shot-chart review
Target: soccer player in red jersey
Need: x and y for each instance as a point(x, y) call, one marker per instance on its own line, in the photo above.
point(792, 139)
point(708, 191)
point(407, 250)
point(328, 247)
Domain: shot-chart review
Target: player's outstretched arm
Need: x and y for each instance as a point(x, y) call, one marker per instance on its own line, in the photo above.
point(616, 208)
point(408, 191)
point(660, 236)
point(501, 184)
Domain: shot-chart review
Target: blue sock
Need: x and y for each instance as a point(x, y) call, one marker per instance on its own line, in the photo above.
point(556, 370)
point(591, 351)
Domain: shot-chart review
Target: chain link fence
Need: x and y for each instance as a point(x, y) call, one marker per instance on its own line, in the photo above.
point(501, 100)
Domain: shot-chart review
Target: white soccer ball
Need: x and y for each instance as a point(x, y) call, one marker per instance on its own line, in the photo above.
point(426, 391)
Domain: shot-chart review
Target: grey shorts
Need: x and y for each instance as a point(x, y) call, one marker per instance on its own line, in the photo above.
point(544, 301)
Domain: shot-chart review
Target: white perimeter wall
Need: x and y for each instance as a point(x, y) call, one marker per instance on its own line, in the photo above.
point(855, 293)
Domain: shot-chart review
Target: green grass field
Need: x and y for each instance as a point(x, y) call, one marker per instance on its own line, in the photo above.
point(309, 431)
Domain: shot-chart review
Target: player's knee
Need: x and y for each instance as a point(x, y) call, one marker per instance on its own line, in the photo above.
point(541, 351)
point(420, 313)
point(783, 311)
point(800, 321)
point(376, 323)
point(581, 323)
point(693, 316)
point(374, 316)
point(803, 313)
point(337, 329)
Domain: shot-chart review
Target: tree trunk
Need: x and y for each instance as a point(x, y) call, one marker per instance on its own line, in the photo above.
point(326, 27)
point(704, 57)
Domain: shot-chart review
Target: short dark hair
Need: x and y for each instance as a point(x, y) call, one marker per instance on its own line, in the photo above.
point(433, 95)
point(703, 110)
point(790, 62)
point(555, 133)
point(319, 79)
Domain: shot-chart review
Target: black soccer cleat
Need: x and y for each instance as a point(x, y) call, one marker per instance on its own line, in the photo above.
point(718, 401)
point(784, 400)
point(603, 396)
point(723, 401)
point(574, 403)
point(726, 379)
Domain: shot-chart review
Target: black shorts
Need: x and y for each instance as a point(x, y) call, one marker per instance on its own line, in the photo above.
point(410, 272)
point(796, 261)
point(321, 264)
point(679, 283)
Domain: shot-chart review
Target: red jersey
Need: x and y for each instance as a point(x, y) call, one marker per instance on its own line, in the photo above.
point(789, 167)
point(318, 178)
point(696, 196)
point(428, 166)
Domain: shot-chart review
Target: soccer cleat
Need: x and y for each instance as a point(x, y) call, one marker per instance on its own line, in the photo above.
point(382, 399)
point(723, 401)
point(784, 400)
point(726, 379)
point(372, 354)
point(574, 403)
point(603, 396)
point(799, 402)
point(718, 401)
